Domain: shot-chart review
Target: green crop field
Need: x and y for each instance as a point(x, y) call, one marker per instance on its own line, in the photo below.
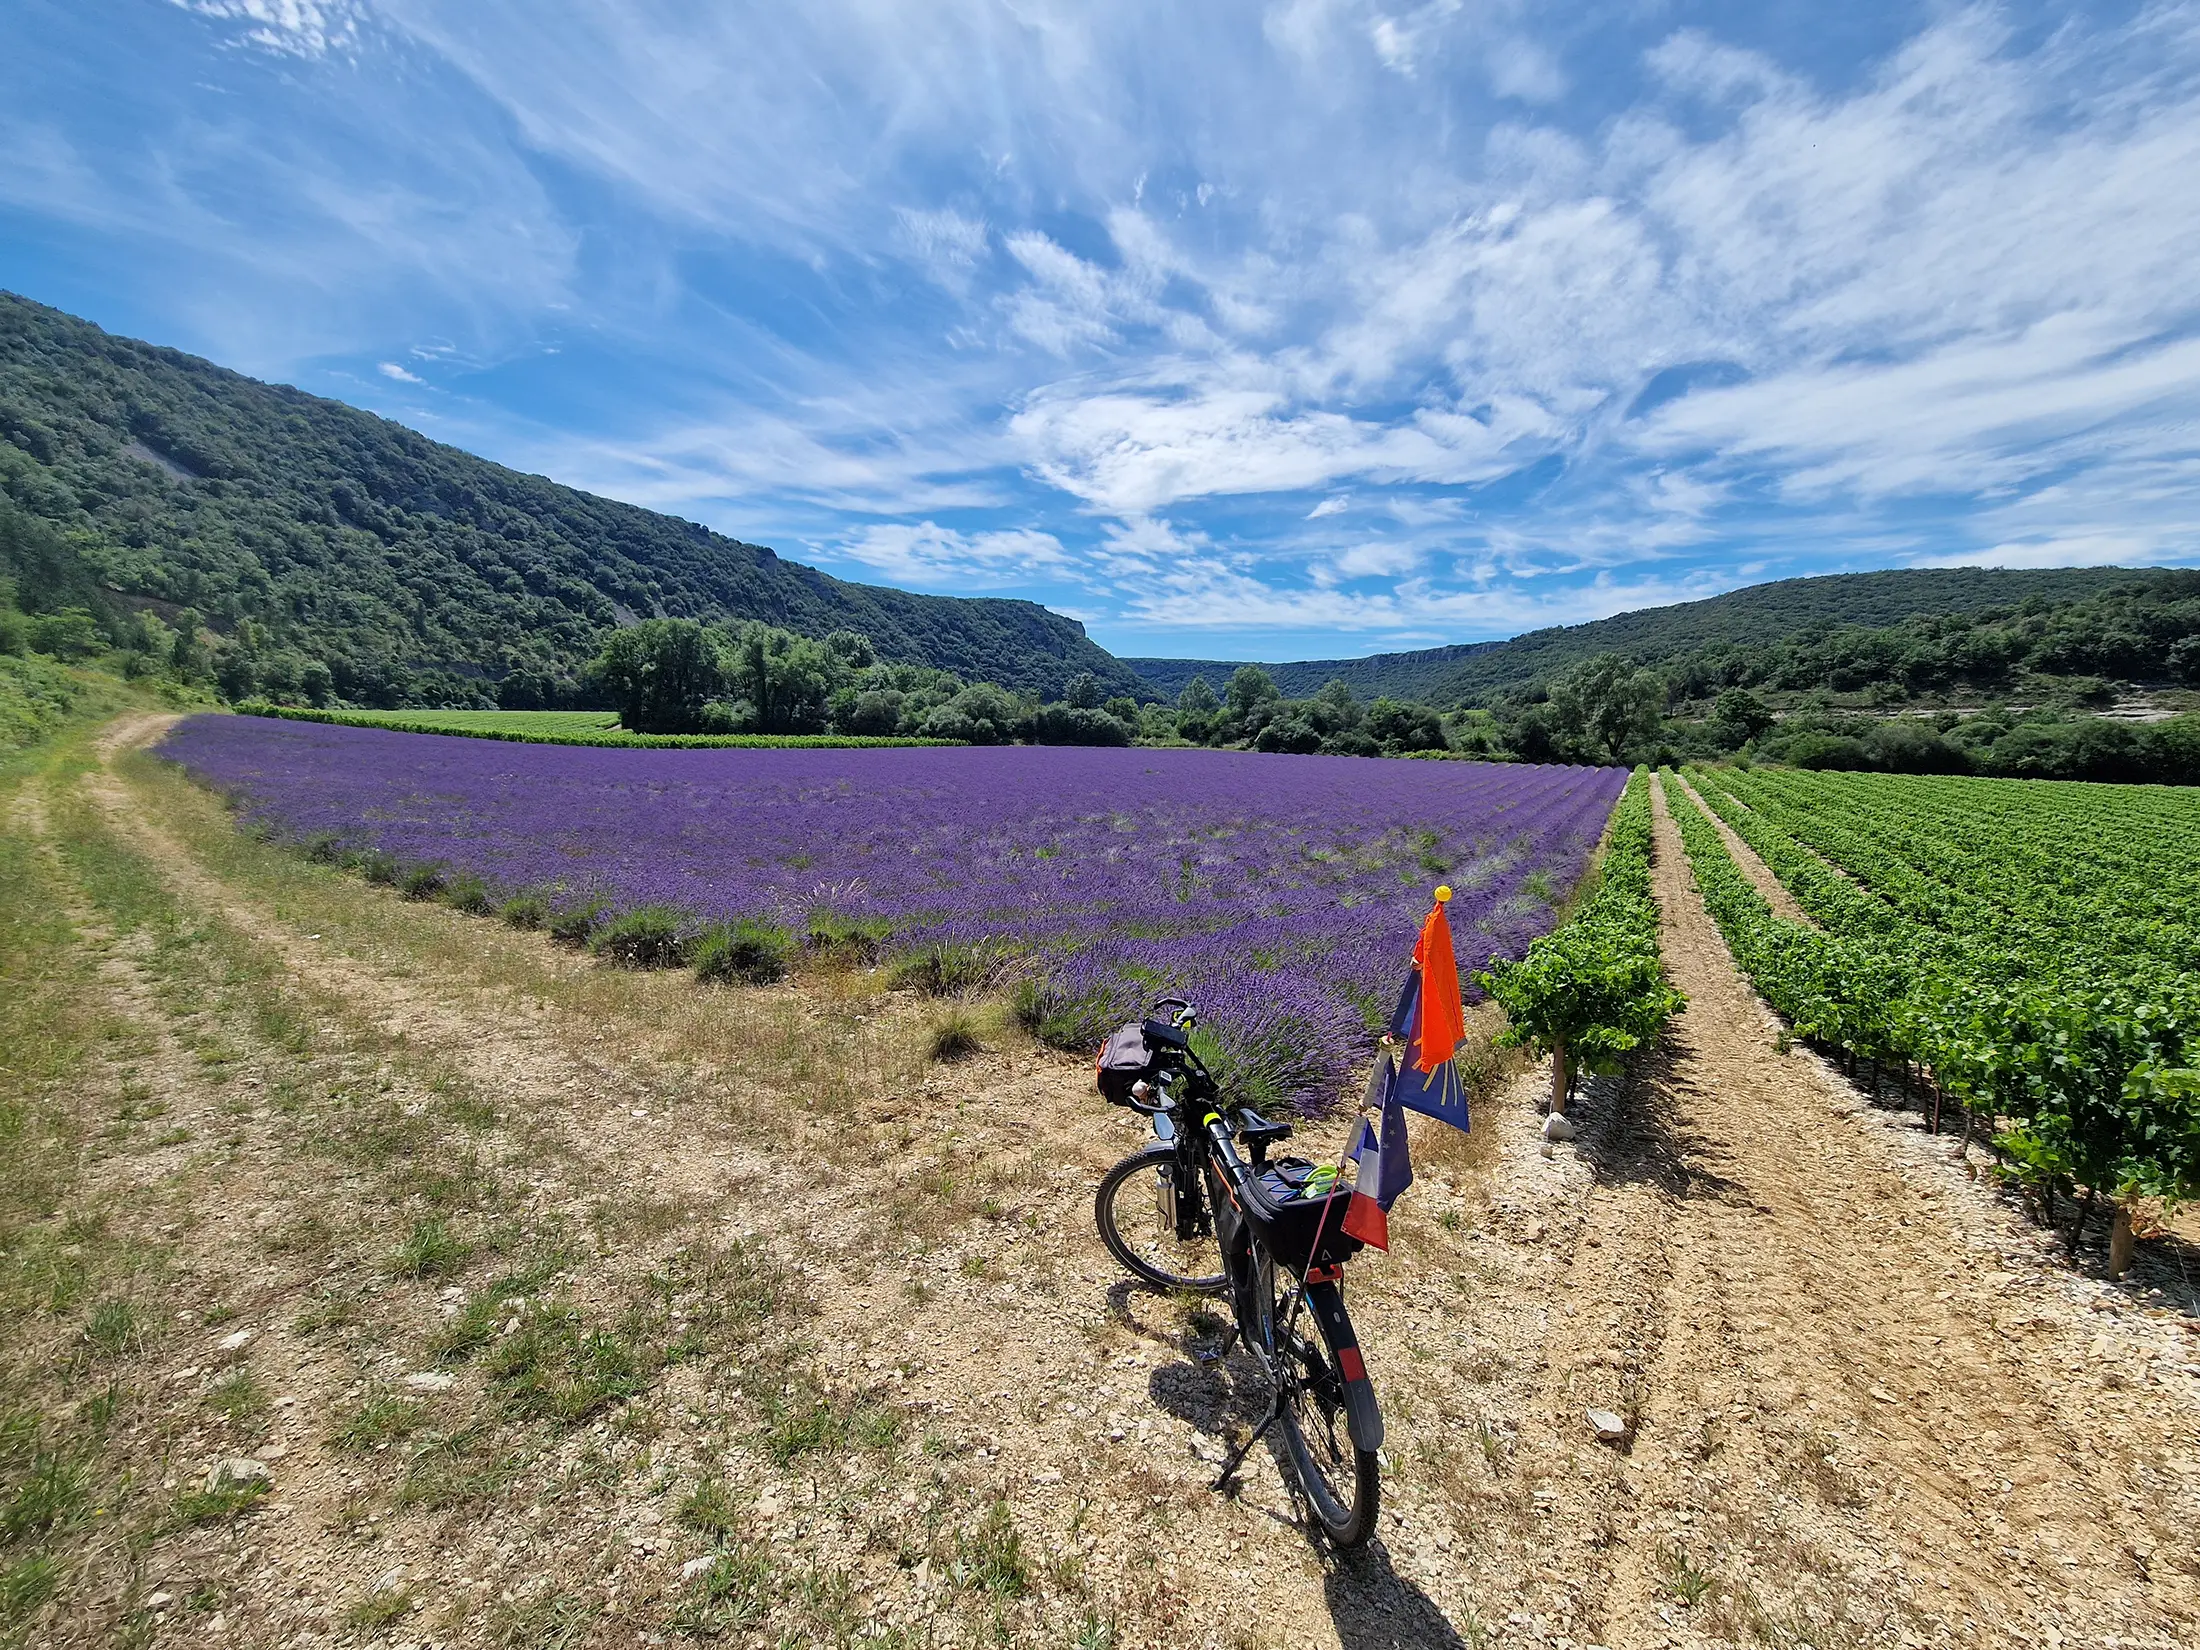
point(503, 724)
point(2031, 949)
point(563, 727)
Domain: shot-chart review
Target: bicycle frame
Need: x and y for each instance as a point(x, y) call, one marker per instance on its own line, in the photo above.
point(1207, 1183)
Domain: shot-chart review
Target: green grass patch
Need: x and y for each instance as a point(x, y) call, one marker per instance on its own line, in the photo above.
point(222, 1503)
point(553, 1367)
point(990, 1558)
point(381, 1418)
point(237, 1398)
point(430, 1250)
point(375, 1610)
point(738, 1591)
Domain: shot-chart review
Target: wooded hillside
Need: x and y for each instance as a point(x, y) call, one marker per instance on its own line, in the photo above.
point(1760, 616)
point(417, 573)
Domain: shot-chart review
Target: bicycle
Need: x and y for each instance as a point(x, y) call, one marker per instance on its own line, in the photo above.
point(1278, 1229)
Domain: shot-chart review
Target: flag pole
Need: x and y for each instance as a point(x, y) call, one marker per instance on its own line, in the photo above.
point(1298, 1295)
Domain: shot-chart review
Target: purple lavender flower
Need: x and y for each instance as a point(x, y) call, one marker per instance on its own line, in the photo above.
point(1281, 893)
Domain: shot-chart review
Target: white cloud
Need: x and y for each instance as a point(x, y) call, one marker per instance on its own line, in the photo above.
point(1220, 595)
point(930, 554)
point(390, 369)
point(945, 243)
point(300, 28)
point(1376, 559)
point(1334, 505)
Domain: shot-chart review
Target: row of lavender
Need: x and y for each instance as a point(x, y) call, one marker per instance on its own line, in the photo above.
point(1281, 893)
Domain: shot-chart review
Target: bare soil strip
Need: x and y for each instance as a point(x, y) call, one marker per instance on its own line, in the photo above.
point(890, 1389)
point(1772, 890)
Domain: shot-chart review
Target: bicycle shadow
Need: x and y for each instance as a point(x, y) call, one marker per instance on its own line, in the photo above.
point(1372, 1606)
point(1376, 1608)
point(1222, 1399)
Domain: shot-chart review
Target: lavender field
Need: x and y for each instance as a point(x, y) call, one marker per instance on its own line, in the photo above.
point(1280, 892)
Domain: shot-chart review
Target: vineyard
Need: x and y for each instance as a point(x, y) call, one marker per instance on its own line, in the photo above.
point(2023, 952)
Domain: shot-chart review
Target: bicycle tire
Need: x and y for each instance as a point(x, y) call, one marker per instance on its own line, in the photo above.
point(1342, 1483)
point(1147, 1254)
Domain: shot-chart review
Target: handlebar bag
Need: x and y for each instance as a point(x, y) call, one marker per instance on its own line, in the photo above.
point(1124, 1058)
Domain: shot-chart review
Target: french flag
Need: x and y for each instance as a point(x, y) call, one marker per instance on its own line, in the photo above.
point(1384, 1173)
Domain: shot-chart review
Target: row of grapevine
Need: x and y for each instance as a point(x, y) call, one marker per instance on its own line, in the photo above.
point(2079, 1056)
point(1593, 990)
point(2065, 873)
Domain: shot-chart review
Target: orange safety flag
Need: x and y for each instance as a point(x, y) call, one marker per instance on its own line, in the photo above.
point(1428, 1023)
point(1443, 1014)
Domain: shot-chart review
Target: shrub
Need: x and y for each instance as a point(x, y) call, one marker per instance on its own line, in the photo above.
point(843, 939)
point(1593, 991)
point(944, 969)
point(468, 893)
point(746, 951)
point(953, 1036)
point(379, 868)
point(422, 882)
point(1072, 725)
point(525, 911)
point(649, 936)
point(572, 924)
point(1826, 750)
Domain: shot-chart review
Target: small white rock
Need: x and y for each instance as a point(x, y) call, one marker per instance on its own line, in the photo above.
point(1608, 1427)
point(1556, 1127)
point(694, 1567)
point(236, 1342)
point(430, 1380)
point(160, 1601)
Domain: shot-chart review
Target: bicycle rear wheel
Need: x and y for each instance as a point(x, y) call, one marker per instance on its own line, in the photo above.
point(1137, 1221)
point(1342, 1482)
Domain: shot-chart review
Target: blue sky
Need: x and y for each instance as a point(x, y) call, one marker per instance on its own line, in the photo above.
point(1306, 329)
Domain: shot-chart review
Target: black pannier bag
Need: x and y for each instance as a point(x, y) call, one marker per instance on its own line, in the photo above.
point(1124, 1059)
point(1288, 1218)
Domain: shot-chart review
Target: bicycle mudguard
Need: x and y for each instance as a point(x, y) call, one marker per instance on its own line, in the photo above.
point(1362, 1415)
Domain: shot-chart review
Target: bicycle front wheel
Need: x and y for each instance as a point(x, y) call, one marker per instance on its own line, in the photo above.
point(1136, 1211)
point(1342, 1482)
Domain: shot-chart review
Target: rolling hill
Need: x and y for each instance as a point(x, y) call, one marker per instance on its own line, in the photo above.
point(1475, 672)
point(418, 573)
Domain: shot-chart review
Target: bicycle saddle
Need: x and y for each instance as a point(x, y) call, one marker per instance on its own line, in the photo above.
point(1257, 1132)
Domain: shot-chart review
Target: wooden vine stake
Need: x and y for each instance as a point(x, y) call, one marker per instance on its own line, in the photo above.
point(2122, 1241)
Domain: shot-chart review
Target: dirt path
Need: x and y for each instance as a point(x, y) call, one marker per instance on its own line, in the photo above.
point(1768, 886)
